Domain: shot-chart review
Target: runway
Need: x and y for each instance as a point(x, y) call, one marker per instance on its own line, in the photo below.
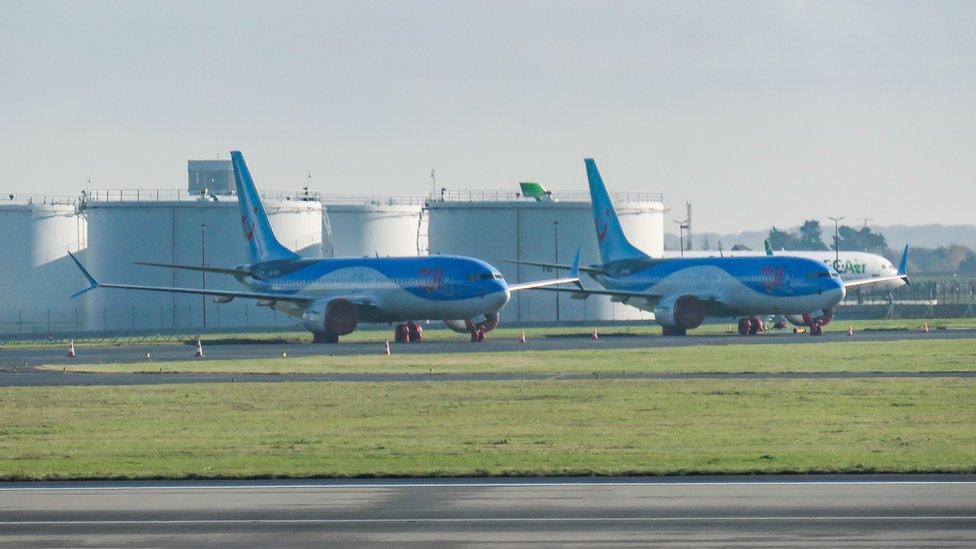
point(752, 511)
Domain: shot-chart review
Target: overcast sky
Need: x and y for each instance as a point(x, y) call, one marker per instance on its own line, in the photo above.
point(758, 113)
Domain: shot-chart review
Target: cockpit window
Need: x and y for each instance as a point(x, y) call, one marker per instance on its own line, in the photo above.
point(819, 274)
point(498, 276)
point(482, 276)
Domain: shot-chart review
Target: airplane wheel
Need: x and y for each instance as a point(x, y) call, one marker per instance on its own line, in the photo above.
point(744, 326)
point(669, 331)
point(401, 333)
point(756, 326)
point(325, 337)
point(416, 332)
point(816, 330)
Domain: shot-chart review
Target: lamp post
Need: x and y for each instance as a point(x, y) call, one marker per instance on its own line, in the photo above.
point(203, 263)
point(555, 247)
point(836, 221)
point(681, 236)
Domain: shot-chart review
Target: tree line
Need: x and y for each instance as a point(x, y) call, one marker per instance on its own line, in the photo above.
point(944, 260)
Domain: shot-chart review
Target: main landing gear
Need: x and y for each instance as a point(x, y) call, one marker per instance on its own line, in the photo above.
point(673, 331)
point(408, 332)
point(325, 337)
point(751, 326)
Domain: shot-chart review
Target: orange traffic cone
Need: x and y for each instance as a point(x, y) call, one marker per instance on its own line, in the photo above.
point(850, 331)
point(199, 353)
point(388, 347)
point(71, 349)
point(522, 337)
point(596, 336)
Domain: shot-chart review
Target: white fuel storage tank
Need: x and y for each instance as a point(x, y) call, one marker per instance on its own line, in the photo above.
point(371, 226)
point(38, 277)
point(497, 226)
point(176, 228)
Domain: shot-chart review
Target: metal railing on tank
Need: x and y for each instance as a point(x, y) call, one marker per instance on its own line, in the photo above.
point(367, 200)
point(446, 195)
point(182, 195)
point(43, 199)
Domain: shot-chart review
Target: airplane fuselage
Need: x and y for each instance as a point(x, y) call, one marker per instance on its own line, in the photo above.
point(851, 266)
point(736, 286)
point(387, 289)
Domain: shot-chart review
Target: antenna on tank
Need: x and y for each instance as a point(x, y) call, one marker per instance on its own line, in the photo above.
point(433, 183)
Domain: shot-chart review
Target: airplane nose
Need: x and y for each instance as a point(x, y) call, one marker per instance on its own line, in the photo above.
point(502, 292)
point(839, 289)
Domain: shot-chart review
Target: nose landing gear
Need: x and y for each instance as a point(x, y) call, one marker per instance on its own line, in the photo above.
point(408, 332)
point(751, 326)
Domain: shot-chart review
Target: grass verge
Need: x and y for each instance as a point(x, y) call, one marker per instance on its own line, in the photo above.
point(488, 428)
point(435, 332)
point(902, 356)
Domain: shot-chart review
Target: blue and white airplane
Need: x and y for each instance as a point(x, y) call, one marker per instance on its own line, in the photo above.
point(332, 296)
point(682, 292)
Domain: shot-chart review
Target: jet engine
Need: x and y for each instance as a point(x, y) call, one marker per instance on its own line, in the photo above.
point(816, 318)
point(679, 314)
point(485, 323)
point(334, 317)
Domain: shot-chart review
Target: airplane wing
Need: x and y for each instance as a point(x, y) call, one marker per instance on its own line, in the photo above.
point(573, 278)
point(902, 275)
point(197, 291)
point(220, 270)
point(586, 292)
point(870, 281)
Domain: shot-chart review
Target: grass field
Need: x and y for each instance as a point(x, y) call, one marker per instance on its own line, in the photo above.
point(866, 356)
point(488, 428)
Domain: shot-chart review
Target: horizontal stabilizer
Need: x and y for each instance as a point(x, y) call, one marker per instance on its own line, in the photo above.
point(193, 291)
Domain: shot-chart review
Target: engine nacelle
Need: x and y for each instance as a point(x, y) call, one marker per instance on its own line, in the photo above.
point(485, 323)
point(820, 317)
point(337, 317)
point(686, 312)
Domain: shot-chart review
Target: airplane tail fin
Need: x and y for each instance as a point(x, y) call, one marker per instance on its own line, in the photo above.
point(261, 242)
point(610, 236)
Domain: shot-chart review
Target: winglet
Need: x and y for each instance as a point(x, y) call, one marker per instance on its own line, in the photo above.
point(903, 266)
point(574, 271)
point(769, 249)
point(91, 280)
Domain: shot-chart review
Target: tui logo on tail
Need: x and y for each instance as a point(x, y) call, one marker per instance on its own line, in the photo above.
point(248, 232)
